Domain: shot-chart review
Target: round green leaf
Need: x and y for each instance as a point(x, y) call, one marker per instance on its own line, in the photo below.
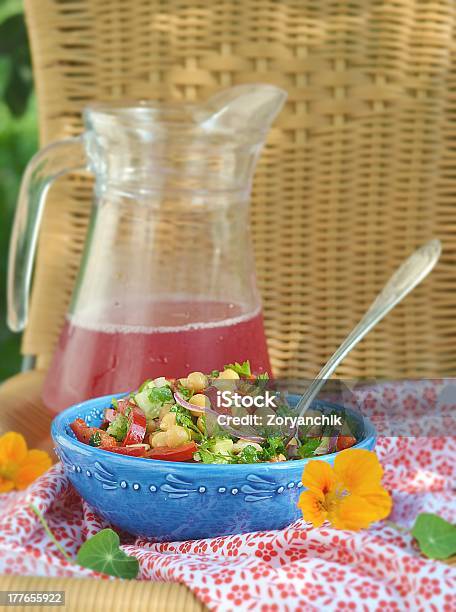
point(102, 553)
point(435, 536)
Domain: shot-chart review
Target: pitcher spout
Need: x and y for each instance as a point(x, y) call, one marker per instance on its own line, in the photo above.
point(251, 107)
point(150, 146)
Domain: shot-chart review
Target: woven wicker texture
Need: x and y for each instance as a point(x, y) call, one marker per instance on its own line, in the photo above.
point(23, 410)
point(99, 595)
point(359, 169)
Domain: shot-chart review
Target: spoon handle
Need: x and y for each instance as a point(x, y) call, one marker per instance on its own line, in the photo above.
point(411, 272)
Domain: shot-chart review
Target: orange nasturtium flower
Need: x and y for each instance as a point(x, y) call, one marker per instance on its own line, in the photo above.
point(349, 496)
point(19, 466)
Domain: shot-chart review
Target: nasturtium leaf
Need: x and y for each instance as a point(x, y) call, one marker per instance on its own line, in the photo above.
point(102, 553)
point(435, 536)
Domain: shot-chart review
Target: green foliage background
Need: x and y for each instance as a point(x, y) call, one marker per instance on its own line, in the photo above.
point(18, 142)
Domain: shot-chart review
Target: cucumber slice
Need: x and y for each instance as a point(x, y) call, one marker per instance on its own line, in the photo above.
point(151, 410)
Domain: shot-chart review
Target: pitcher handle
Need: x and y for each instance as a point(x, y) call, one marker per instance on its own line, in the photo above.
point(48, 164)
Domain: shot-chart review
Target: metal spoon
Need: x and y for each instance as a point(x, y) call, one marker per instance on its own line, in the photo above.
point(407, 277)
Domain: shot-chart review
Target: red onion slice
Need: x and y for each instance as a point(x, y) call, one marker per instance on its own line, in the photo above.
point(332, 444)
point(183, 402)
point(238, 434)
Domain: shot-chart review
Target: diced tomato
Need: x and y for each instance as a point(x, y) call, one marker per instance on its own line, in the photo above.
point(107, 441)
point(123, 404)
point(81, 430)
point(179, 453)
point(84, 434)
point(137, 420)
point(130, 451)
point(137, 426)
point(344, 442)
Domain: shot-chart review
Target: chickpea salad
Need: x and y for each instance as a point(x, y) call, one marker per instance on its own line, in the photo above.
point(176, 420)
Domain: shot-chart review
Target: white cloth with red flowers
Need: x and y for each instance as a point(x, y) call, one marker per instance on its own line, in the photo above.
point(298, 568)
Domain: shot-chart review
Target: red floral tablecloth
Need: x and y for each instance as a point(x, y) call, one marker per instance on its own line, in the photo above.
point(299, 568)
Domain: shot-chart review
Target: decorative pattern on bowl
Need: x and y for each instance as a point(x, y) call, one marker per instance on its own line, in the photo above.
point(177, 501)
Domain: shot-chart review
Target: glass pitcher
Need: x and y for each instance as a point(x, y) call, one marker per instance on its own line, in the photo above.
point(167, 282)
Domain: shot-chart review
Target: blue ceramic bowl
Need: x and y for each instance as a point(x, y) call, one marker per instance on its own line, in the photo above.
point(169, 501)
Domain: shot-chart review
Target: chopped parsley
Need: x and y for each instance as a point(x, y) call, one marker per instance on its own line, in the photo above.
point(308, 448)
point(118, 429)
point(186, 393)
point(249, 454)
point(160, 395)
point(95, 439)
point(272, 447)
point(206, 456)
point(243, 369)
point(215, 450)
point(184, 419)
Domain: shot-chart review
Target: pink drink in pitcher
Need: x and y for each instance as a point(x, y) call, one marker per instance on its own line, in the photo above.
point(166, 283)
point(91, 361)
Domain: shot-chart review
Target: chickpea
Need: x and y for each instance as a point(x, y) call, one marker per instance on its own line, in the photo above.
point(152, 426)
point(242, 443)
point(278, 458)
point(196, 381)
point(176, 436)
point(229, 374)
point(226, 380)
point(164, 410)
point(200, 400)
point(168, 421)
point(158, 439)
